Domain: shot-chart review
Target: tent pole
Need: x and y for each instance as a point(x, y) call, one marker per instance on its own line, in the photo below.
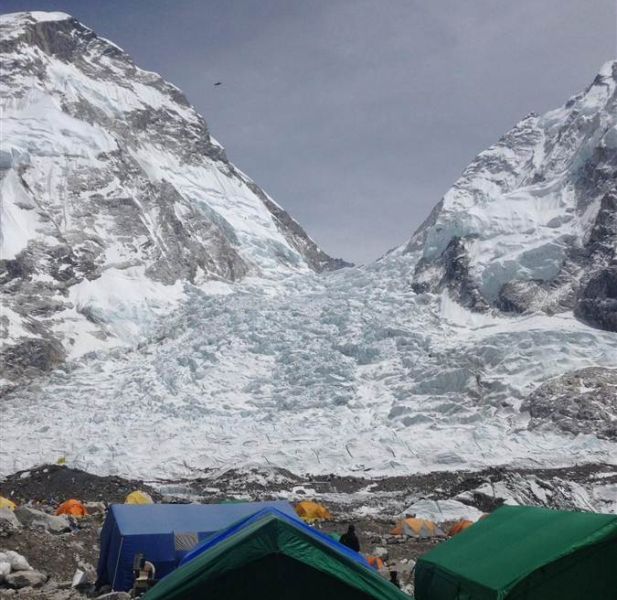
point(113, 583)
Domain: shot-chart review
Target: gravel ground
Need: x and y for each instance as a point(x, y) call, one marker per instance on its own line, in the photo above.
point(59, 555)
point(52, 484)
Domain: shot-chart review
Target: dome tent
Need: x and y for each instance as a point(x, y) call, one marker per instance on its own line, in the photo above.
point(417, 528)
point(6, 503)
point(313, 511)
point(139, 497)
point(73, 508)
point(459, 527)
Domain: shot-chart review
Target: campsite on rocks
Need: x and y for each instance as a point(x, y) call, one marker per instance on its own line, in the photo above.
point(197, 401)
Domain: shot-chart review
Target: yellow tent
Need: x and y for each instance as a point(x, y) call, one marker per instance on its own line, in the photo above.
point(138, 497)
point(313, 511)
point(417, 528)
point(6, 503)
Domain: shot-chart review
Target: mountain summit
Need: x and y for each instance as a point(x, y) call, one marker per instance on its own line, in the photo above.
point(114, 195)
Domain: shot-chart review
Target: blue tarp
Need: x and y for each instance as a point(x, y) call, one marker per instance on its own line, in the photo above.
point(224, 534)
point(152, 529)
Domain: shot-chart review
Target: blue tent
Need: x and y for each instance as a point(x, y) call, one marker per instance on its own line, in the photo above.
point(271, 555)
point(224, 534)
point(164, 533)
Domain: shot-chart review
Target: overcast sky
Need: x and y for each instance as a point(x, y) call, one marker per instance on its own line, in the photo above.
point(357, 115)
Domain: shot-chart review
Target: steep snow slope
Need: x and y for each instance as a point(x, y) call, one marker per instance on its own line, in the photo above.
point(532, 219)
point(114, 195)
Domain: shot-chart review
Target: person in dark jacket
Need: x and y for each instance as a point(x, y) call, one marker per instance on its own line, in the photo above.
point(350, 539)
point(394, 579)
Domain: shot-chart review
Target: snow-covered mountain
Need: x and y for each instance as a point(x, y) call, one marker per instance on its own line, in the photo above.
point(487, 339)
point(114, 195)
point(532, 222)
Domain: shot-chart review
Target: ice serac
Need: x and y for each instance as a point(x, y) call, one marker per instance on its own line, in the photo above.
point(531, 223)
point(114, 196)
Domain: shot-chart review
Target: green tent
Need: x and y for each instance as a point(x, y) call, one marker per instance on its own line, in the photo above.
point(525, 553)
point(269, 556)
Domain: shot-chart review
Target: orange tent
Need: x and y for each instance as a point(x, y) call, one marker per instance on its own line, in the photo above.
point(459, 526)
point(72, 507)
point(417, 528)
point(375, 562)
point(313, 511)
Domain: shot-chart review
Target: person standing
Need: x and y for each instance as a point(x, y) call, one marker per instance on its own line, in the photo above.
point(394, 579)
point(350, 539)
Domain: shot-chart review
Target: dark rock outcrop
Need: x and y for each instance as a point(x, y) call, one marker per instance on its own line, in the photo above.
point(583, 283)
point(450, 271)
point(597, 301)
point(582, 402)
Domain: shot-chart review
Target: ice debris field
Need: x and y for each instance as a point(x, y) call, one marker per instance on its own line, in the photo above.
point(349, 372)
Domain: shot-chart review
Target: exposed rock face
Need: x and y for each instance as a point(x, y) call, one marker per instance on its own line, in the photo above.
point(533, 220)
point(29, 356)
point(114, 196)
point(583, 267)
point(597, 301)
point(450, 271)
point(581, 402)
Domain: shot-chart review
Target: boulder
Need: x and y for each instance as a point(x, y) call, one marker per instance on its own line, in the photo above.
point(80, 579)
point(95, 508)
point(84, 577)
point(37, 519)
point(5, 569)
point(22, 579)
point(17, 561)
point(9, 523)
